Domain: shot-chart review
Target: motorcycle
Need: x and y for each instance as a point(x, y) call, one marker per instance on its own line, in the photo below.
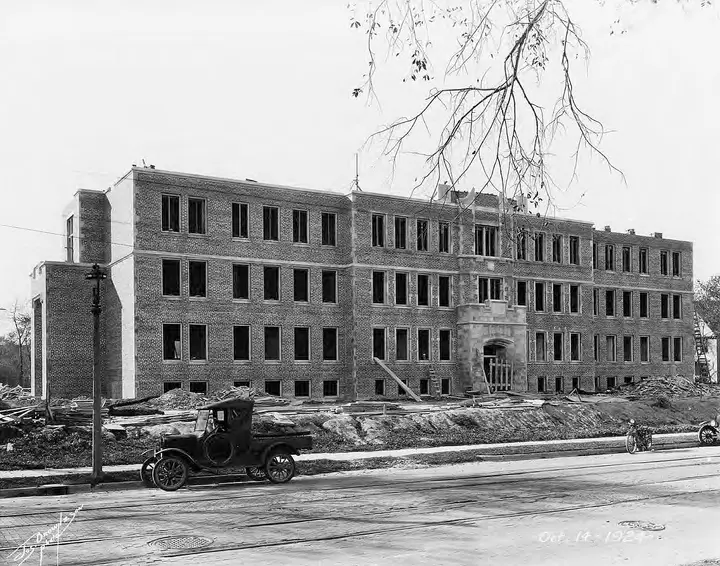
point(638, 439)
point(708, 432)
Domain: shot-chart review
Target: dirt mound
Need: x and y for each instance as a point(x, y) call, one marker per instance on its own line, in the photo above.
point(260, 397)
point(667, 387)
point(178, 400)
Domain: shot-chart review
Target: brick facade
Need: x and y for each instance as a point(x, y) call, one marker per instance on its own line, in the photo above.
point(125, 230)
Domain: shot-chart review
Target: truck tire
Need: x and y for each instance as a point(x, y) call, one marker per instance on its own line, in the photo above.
point(219, 449)
point(170, 473)
point(279, 466)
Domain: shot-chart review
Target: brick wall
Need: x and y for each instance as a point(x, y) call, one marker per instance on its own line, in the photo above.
point(93, 227)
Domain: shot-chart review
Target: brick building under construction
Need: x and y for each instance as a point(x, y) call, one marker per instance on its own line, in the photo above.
point(316, 294)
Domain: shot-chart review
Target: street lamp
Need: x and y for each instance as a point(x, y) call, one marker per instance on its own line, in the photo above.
point(97, 275)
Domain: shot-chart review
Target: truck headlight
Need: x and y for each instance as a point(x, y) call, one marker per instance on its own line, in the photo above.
point(713, 424)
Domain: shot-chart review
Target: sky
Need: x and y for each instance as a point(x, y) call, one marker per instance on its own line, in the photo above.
point(262, 90)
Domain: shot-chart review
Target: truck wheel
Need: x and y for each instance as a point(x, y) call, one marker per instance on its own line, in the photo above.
point(219, 449)
point(631, 443)
point(280, 467)
point(256, 474)
point(146, 471)
point(170, 473)
point(707, 435)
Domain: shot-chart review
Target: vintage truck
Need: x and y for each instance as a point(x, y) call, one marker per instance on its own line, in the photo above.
point(223, 438)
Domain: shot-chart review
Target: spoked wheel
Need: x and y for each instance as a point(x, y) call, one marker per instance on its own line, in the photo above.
point(219, 449)
point(707, 436)
point(631, 443)
point(280, 467)
point(648, 444)
point(256, 474)
point(146, 472)
point(170, 473)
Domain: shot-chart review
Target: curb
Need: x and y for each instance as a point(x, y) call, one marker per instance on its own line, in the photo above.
point(67, 489)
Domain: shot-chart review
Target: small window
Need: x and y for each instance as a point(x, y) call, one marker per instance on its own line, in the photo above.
point(423, 344)
point(540, 348)
point(489, 289)
point(170, 214)
point(609, 257)
point(677, 349)
point(596, 302)
point(271, 283)
point(273, 387)
point(400, 233)
point(676, 271)
point(643, 260)
point(330, 344)
point(401, 288)
point(378, 287)
point(200, 387)
point(596, 348)
point(240, 220)
point(610, 303)
point(423, 290)
point(198, 342)
point(485, 240)
point(677, 306)
point(69, 246)
point(663, 263)
point(522, 293)
point(241, 384)
point(196, 216)
point(197, 271)
point(444, 237)
point(576, 383)
point(574, 347)
point(171, 342)
point(171, 277)
point(241, 281)
point(521, 245)
point(301, 285)
point(445, 345)
point(611, 382)
point(401, 344)
point(272, 343)
point(626, 264)
point(627, 379)
point(558, 385)
point(665, 347)
point(302, 388)
point(241, 343)
point(540, 297)
point(574, 299)
point(665, 306)
point(445, 386)
point(611, 353)
point(557, 346)
point(557, 298)
point(170, 385)
point(539, 246)
point(557, 248)
point(643, 305)
point(329, 286)
point(422, 235)
point(627, 304)
point(379, 343)
point(627, 348)
point(271, 223)
point(444, 291)
point(574, 242)
point(330, 388)
point(424, 387)
point(328, 221)
point(379, 387)
point(302, 344)
point(595, 256)
point(378, 231)
point(406, 383)
point(300, 226)
point(541, 384)
point(644, 349)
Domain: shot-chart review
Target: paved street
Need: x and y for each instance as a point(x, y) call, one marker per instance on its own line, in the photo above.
point(550, 512)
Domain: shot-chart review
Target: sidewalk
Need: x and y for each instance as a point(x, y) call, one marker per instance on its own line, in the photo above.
point(614, 443)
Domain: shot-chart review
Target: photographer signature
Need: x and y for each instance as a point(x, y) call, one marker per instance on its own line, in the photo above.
point(40, 540)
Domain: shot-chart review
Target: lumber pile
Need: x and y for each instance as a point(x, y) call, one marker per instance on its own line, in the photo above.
point(15, 395)
point(76, 412)
point(168, 417)
point(261, 398)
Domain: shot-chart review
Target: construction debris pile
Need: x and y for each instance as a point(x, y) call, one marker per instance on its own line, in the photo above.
point(666, 387)
point(14, 396)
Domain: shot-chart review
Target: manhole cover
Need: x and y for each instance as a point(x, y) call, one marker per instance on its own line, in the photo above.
point(642, 525)
point(180, 543)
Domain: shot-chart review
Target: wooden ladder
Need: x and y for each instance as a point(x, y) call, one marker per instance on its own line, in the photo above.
point(700, 350)
point(435, 386)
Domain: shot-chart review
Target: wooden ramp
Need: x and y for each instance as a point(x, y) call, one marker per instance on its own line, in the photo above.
point(396, 378)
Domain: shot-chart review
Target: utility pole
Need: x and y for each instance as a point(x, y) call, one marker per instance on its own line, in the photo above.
point(97, 275)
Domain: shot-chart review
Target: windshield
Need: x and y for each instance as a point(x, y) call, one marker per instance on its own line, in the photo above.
point(203, 418)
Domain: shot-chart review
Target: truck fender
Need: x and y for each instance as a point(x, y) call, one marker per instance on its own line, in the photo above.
point(180, 453)
point(282, 445)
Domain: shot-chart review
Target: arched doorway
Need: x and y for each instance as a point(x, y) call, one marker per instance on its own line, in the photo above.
point(498, 369)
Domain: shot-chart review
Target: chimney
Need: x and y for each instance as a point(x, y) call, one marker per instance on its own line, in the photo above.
point(631, 231)
point(607, 228)
point(657, 235)
point(443, 190)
